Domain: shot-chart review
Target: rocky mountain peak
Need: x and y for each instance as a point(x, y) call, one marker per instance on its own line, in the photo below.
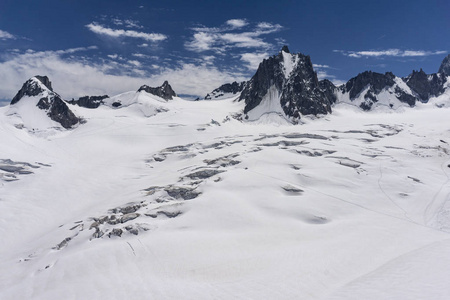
point(33, 87)
point(288, 85)
point(164, 91)
point(226, 90)
point(285, 49)
point(45, 81)
point(40, 87)
point(445, 66)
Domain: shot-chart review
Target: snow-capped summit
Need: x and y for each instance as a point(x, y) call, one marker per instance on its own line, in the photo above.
point(370, 89)
point(89, 101)
point(164, 91)
point(37, 94)
point(33, 87)
point(286, 84)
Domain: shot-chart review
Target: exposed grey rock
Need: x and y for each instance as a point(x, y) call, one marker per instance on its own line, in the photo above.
point(375, 83)
point(301, 93)
point(305, 136)
point(445, 66)
point(116, 232)
point(29, 88)
point(165, 91)
point(170, 214)
point(98, 233)
point(426, 86)
point(223, 161)
point(63, 244)
point(113, 220)
point(126, 209)
point(204, 174)
point(129, 217)
point(184, 193)
point(89, 101)
point(228, 88)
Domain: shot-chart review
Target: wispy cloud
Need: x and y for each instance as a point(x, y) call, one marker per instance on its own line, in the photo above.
point(237, 23)
point(117, 33)
point(389, 53)
point(321, 66)
point(127, 23)
point(322, 73)
point(230, 35)
point(74, 76)
point(6, 35)
point(253, 60)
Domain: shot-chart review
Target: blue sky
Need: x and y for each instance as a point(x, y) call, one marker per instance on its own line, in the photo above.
point(108, 47)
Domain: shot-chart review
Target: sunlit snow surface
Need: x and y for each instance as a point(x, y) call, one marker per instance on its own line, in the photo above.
point(352, 205)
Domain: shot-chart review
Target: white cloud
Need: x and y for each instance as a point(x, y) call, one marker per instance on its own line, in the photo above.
point(322, 73)
point(237, 23)
point(73, 77)
point(202, 41)
point(220, 39)
point(116, 33)
point(134, 63)
point(6, 35)
point(321, 66)
point(127, 23)
point(143, 45)
point(253, 60)
point(389, 52)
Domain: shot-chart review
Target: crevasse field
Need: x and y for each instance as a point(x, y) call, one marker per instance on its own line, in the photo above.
point(179, 200)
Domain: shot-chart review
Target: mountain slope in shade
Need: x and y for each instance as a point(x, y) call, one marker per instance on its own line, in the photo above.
point(286, 84)
point(370, 89)
point(164, 91)
point(227, 90)
point(37, 94)
point(445, 66)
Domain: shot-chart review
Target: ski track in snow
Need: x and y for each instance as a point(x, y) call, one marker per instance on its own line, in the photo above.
point(190, 203)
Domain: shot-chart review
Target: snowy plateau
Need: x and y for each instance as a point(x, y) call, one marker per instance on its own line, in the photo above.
point(149, 198)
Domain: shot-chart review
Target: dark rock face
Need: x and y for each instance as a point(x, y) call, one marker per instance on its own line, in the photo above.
point(165, 91)
point(89, 101)
point(424, 85)
point(376, 83)
point(51, 102)
point(228, 88)
point(293, 77)
point(445, 66)
point(31, 88)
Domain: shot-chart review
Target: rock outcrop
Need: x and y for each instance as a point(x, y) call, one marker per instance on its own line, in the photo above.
point(288, 85)
point(425, 86)
point(49, 101)
point(370, 89)
point(89, 101)
point(445, 66)
point(165, 91)
point(226, 91)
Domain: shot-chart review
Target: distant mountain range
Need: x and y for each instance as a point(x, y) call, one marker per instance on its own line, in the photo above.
point(284, 84)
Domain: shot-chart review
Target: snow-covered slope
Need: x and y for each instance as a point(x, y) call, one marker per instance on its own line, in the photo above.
point(193, 204)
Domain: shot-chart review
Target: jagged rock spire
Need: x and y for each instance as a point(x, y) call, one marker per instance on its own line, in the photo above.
point(164, 91)
point(445, 66)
